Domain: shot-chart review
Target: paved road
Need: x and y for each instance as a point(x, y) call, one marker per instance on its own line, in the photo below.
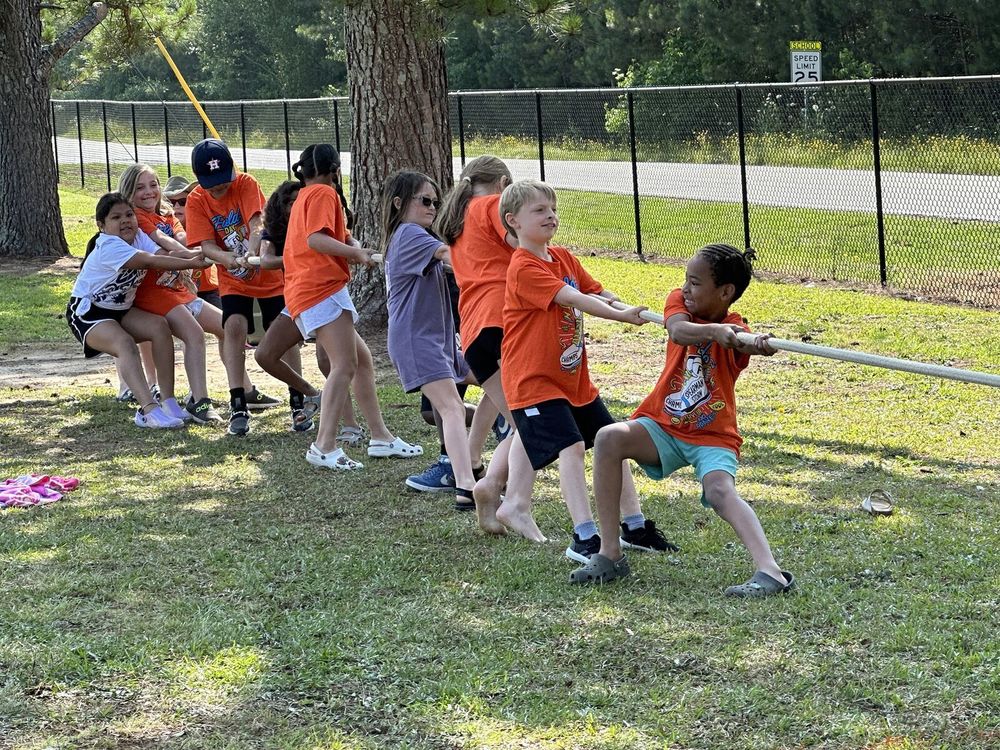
point(906, 193)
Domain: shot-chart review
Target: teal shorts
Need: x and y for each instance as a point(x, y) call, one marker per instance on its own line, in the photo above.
point(676, 454)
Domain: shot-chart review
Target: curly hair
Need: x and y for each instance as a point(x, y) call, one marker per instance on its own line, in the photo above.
point(277, 211)
point(730, 266)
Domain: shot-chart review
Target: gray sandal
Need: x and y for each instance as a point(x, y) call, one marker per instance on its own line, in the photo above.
point(761, 585)
point(600, 569)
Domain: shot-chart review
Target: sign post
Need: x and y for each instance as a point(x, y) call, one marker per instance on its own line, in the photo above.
point(807, 61)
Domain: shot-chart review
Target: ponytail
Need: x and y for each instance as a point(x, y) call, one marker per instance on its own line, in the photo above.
point(483, 170)
point(320, 159)
point(91, 244)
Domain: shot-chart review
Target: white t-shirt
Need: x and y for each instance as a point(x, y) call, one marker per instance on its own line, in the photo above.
point(102, 280)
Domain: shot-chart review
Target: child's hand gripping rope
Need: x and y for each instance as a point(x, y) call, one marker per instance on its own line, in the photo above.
point(846, 355)
point(254, 260)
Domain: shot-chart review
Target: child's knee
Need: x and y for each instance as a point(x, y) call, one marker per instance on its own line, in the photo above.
point(719, 490)
point(608, 443)
point(575, 451)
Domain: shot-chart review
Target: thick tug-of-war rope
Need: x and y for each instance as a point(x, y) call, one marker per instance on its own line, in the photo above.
point(254, 260)
point(861, 358)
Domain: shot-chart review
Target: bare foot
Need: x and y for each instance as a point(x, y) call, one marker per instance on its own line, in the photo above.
point(487, 496)
point(521, 522)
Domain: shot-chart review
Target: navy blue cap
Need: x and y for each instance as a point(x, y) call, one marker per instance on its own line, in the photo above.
point(212, 163)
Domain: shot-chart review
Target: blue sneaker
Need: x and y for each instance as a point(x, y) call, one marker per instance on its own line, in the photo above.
point(501, 428)
point(438, 477)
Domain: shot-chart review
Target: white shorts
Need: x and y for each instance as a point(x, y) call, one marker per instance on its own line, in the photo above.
point(325, 311)
point(195, 306)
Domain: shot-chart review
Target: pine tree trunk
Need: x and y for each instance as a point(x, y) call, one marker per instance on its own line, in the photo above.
point(399, 103)
point(30, 222)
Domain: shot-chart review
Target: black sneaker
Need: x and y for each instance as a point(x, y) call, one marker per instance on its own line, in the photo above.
point(648, 539)
point(580, 551)
point(239, 423)
point(257, 401)
point(202, 411)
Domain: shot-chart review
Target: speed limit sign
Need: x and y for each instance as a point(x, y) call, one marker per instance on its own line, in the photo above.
point(807, 61)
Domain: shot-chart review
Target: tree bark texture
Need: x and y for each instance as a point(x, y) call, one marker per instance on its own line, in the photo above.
point(399, 116)
point(30, 220)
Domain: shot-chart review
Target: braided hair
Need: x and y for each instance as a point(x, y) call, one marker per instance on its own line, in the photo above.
point(319, 159)
point(730, 266)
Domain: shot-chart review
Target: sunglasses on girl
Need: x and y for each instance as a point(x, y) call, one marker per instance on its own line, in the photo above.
point(428, 202)
point(178, 201)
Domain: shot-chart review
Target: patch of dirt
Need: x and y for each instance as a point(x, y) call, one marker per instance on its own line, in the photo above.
point(65, 265)
point(52, 364)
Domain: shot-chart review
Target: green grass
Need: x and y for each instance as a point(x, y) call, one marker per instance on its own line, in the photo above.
point(945, 258)
point(201, 592)
point(941, 154)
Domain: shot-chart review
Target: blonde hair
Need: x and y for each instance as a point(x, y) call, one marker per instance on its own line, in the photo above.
point(483, 170)
point(516, 195)
point(128, 179)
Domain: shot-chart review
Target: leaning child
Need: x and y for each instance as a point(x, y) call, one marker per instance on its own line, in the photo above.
point(690, 418)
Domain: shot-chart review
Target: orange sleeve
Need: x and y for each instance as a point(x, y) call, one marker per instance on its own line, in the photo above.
point(325, 214)
point(251, 198)
point(199, 222)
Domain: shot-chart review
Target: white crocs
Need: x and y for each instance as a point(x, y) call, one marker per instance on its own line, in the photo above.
point(395, 448)
point(336, 459)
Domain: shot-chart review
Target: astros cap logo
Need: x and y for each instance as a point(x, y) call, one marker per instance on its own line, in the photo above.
point(213, 164)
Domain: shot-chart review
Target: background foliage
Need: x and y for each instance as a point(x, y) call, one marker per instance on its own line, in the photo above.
point(295, 48)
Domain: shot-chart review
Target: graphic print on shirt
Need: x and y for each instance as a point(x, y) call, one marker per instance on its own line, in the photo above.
point(570, 333)
point(690, 403)
point(232, 229)
point(115, 294)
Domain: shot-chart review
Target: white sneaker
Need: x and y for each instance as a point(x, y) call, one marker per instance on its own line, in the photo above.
point(157, 419)
point(336, 459)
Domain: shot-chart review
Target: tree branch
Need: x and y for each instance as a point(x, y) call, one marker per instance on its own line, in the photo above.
point(65, 42)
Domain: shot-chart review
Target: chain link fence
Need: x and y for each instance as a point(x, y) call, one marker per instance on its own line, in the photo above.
point(891, 183)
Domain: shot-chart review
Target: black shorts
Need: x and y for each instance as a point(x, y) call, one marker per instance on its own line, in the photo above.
point(237, 304)
point(483, 354)
point(549, 427)
point(80, 325)
point(212, 297)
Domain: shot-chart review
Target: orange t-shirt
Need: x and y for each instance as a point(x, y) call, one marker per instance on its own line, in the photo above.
point(151, 296)
point(311, 277)
point(543, 355)
point(226, 222)
point(695, 397)
point(480, 257)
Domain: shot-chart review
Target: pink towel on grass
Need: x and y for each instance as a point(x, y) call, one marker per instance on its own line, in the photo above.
point(34, 489)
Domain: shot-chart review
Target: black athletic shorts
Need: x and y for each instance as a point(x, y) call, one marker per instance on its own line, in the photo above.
point(80, 325)
point(237, 304)
point(549, 427)
point(483, 354)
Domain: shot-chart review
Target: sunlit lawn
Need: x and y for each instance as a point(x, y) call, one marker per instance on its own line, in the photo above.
point(200, 591)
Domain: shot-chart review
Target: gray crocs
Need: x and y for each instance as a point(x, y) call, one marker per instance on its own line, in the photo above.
point(600, 569)
point(761, 585)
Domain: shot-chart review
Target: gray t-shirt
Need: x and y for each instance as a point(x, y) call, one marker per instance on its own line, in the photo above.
point(422, 343)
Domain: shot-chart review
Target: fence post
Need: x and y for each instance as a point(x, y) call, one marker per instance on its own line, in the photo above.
point(288, 147)
point(166, 137)
point(135, 134)
point(79, 140)
point(243, 134)
point(742, 137)
point(204, 127)
point(877, 158)
point(55, 136)
point(336, 124)
point(541, 139)
point(461, 130)
point(635, 175)
point(107, 152)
